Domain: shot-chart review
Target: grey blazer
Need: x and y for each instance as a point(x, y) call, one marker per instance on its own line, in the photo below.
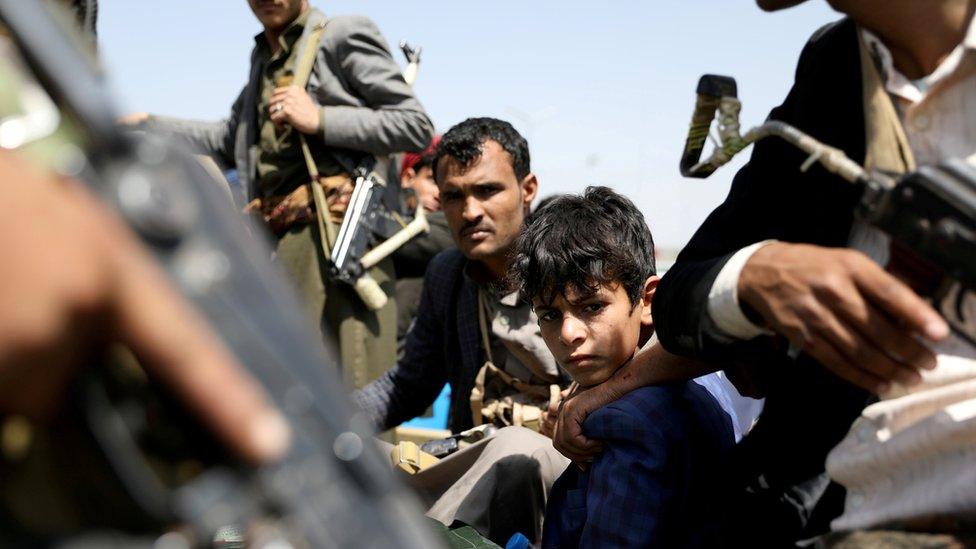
point(366, 104)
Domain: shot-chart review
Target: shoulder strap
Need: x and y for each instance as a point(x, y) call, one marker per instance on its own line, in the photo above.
point(483, 325)
point(887, 146)
point(303, 70)
point(303, 67)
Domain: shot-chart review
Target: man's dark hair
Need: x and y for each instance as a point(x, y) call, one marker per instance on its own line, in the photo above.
point(580, 242)
point(465, 140)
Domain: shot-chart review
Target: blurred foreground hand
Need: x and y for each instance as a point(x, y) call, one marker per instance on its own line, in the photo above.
point(73, 279)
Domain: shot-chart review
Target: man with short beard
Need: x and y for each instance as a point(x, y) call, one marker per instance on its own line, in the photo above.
point(356, 104)
point(481, 167)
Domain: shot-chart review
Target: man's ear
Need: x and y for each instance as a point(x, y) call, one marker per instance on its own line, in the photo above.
point(530, 187)
point(647, 298)
point(407, 177)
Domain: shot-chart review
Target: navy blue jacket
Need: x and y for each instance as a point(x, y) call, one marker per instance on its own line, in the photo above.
point(658, 481)
point(442, 346)
point(785, 493)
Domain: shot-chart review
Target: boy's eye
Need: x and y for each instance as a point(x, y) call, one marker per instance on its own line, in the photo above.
point(593, 307)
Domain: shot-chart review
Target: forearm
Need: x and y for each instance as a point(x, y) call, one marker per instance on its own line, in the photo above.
point(208, 138)
point(652, 367)
point(392, 399)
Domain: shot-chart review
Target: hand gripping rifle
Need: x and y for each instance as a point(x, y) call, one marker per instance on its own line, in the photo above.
point(929, 213)
point(331, 489)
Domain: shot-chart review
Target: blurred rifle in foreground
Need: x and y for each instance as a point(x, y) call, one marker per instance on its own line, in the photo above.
point(331, 489)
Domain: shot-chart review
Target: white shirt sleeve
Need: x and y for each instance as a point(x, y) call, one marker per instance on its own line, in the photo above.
point(723, 298)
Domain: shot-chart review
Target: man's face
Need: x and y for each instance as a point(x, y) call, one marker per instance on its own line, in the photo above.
point(275, 15)
point(422, 182)
point(773, 5)
point(593, 336)
point(485, 203)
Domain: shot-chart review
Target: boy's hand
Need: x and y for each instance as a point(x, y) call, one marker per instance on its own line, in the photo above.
point(568, 436)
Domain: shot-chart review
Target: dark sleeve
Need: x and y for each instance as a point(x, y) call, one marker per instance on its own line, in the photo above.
point(631, 497)
point(770, 198)
point(392, 120)
point(407, 389)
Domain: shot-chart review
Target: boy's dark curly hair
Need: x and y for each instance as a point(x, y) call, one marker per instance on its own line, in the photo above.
point(581, 242)
point(464, 142)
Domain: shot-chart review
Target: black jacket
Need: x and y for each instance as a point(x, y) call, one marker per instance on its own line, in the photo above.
point(808, 410)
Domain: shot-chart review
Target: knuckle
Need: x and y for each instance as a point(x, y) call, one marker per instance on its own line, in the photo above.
point(849, 260)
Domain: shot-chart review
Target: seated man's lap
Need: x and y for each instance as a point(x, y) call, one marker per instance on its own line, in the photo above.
point(498, 486)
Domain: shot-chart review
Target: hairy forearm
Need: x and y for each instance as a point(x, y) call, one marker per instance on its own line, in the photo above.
point(654, 366)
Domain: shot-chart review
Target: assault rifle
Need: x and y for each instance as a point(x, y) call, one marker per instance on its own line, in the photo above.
point(930, 213)
point(371, 218)
point(332, 489)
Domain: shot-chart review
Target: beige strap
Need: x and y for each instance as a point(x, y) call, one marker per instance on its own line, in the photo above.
point(524, 387)
point(483, 324)
point(887, 146)
point(409, 458)
point(303, 70)
point(477, 396)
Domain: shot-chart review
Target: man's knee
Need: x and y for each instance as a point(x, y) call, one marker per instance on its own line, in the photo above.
point(525, 442)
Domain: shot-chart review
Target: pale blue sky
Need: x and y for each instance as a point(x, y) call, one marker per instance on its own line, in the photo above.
point(603, 91)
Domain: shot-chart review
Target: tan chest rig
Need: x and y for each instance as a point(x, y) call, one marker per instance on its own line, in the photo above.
point(500, 398)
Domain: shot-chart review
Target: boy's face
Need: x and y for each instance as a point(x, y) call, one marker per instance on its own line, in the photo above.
point(593, 336)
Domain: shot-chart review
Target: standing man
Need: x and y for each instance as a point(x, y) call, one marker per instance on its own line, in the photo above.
point(356, 104)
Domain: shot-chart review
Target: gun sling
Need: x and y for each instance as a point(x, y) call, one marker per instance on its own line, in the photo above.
point(502, 399)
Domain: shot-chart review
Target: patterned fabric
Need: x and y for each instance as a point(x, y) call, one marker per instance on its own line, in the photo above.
point(657, 481)
point(441, 347)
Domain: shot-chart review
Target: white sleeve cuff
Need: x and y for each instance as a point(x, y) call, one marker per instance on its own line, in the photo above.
point(723, 298)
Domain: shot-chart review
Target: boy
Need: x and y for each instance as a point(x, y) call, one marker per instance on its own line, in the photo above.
point(587, 265)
